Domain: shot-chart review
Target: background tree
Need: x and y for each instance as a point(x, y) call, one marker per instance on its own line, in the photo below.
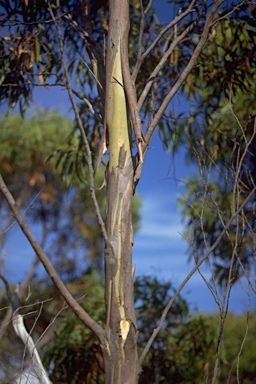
point(39, 45)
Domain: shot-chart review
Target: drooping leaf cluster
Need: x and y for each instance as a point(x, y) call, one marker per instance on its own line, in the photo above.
point(30, 51)
point(30, 48)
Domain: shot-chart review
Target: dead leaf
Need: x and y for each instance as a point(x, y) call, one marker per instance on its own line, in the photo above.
point(191, 86)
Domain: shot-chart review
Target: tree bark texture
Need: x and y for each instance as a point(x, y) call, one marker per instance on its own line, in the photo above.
point(120, 351)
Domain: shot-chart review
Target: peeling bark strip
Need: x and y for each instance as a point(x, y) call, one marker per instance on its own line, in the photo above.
point(121, 360)
point(119, 81)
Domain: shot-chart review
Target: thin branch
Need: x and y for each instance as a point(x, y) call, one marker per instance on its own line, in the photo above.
point(94, 50)
point(48, 333)
point(35, 262)
point(213, 289)
point(241, 159)
point(76, 308)
point(91, 109)
point(223, 315)
point(246, 275)
point(142, 24)
point(45, 85)
point(242, 344)
point(80, 126)
point(14, 221)
point(224, 310)
point(159, 36)
point(162, 62)
point(91, 72)
point(229, 13)
point(198, 264)
point(185, 72)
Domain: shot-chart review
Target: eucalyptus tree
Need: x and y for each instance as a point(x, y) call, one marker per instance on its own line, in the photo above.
point(121, 69)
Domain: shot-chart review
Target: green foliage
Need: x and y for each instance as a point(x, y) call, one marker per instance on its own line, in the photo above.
point(26, 144)
point(224, 73)
point(179, 353)
point(205, 206)
point(227, 62)
point(151, 299)
point(237, 354)
point(184, 344)
point(184, 351)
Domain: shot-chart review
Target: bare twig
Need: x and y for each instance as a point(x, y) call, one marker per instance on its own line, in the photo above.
point(198, 264)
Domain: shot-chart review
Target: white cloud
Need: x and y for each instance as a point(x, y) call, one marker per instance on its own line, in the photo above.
point(160, 231)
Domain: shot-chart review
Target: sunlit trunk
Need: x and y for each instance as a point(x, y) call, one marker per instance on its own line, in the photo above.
point(121, 360)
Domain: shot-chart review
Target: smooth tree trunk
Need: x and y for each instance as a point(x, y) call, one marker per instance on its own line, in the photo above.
point(120, 351)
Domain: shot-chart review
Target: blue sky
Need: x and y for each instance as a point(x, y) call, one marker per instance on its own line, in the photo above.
point(159, 246)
